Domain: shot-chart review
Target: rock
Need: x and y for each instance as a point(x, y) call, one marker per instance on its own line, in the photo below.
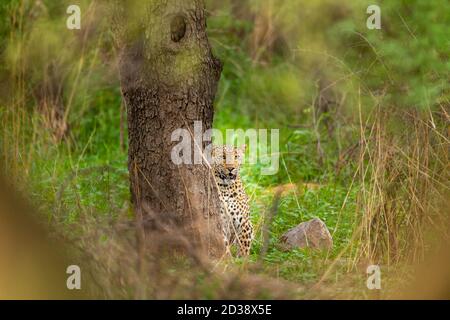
point(313, 234)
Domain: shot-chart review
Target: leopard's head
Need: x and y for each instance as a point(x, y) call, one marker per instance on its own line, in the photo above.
point(226, 161)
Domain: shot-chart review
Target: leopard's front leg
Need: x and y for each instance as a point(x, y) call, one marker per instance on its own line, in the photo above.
point(226, 230)
point(245, 238)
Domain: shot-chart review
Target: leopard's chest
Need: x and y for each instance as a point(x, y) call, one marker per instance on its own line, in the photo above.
point(234, 200)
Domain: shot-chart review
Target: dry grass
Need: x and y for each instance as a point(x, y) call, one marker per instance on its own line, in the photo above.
point(404, 177)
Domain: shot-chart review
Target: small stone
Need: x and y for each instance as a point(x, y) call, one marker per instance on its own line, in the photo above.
point(313, 234)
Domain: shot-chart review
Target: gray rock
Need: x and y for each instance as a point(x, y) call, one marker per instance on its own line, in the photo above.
point(313, 234)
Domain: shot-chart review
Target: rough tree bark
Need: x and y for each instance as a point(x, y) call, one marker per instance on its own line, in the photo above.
point(168, 79)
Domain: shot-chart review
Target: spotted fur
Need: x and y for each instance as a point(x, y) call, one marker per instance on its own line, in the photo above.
point(235, 210)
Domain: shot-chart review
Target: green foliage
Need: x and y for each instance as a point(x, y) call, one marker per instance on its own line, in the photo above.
point(408, 58)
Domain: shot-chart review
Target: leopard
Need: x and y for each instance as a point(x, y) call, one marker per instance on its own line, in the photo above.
point(234, 209)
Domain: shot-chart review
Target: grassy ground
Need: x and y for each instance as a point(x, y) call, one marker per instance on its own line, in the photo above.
point(278, 60)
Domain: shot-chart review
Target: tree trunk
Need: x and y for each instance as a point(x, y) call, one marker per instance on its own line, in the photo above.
point(169, 79)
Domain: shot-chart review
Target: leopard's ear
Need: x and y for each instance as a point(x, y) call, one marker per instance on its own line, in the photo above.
point(214, 150)
point(243, 148)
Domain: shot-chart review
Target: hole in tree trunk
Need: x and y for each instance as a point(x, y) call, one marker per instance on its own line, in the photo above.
point(177, 28)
